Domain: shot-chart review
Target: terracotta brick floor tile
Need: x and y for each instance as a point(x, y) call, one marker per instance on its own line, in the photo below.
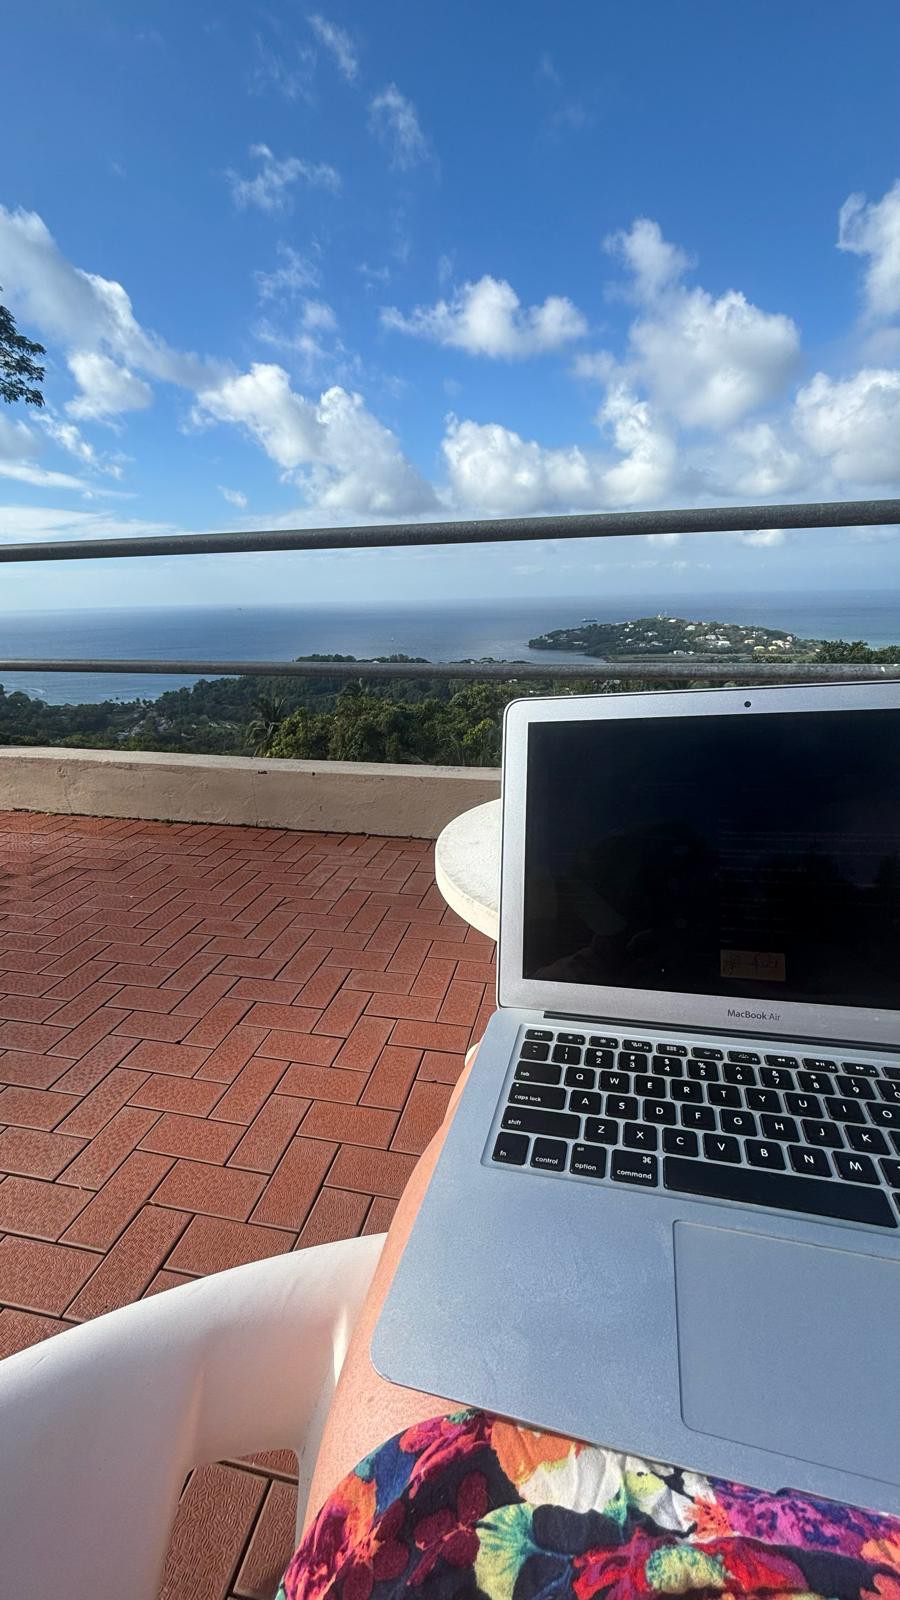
point(431, 1036)
point(193, 1097)
point(134, 1259)
point(374, 982)
point(269, 1134)
point(321, 988)
point(365, 1043)
point(19, 1329)
point(141, 998)
point(349, 1124)
point(100, 1158)
point(441, 1066)
point(214, 1191)
point(155, 1025)
point(390, 1080)
point(271, 1545)
point(42, 1277)
point(384, 1172)
point(39, 1209)
point(298, 1019)
point(85, 1074)
point(38, 1036)
point(381, 1215)
point(290, 1192)
point(344, 1011)
point(337, 1214)
point(211, 1244)
point(218, 1022)
point(108, 1213)
point(193, 1138)
point(34, 1108)
point(409, 1006)
point(283, 1463)
point(223, 1064)
point(198, 1001)
point(166, 1280)
point(182, 1060)
point(275, 990)
point(215, 1517)
point(97, 1108)
point(322, 1083)
point(30, 1071)
point(26, 1008)
point(462, 1003)
point(422, 1116)
point(34, 1154)
point(84, 1005)
point(315, 1050)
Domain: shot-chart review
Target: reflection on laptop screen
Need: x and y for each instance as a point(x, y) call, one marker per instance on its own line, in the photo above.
point(753, 855)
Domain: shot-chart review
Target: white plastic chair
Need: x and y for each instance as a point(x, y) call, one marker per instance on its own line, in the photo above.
point(99, 1426)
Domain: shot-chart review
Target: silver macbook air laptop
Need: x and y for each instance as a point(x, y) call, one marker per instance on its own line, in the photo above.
point(666, 1217)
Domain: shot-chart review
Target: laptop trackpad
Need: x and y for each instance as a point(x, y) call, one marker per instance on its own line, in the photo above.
point(790, 1347)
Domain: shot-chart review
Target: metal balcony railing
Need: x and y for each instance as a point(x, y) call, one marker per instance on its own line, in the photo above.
point(607, 525)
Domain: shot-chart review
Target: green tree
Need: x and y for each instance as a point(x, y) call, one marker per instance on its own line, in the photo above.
point(20, 375)
point(269, 712)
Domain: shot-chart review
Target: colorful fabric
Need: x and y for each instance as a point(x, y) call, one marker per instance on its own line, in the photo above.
point(470, 1505)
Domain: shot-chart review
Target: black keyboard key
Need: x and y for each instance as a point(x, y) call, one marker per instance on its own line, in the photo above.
point(719, 1147)
point(585, 1103)
point(637, 1136)
point(844, 1110)
point(741, 1123)
point(678, 1142)
point(587, 1161)
point(631, 1166)
point(803, 1105)
point(632, 1061)
point(580, 1078)
point(783, 1128)
point(703, 1071)
point(864, 1068)
point(672, 1049)
point(765, 1155)
point(568, 1055)
point(599, 1130)
point(855, 1168)
point(599, 1058)
point(549, 1154)
point(819, 1064)
point(685, 1090)
point(703, 1053)
point(764, 1100)
point(615, 1082)
point(868, 1140)
point(895, 1140)
point(531, 1050)
point(744, 1076)
point(891, 1170)
point(522, 1119)
point(859, 1088)
point(827, 1133)
point(661, 1111)
point(601, 1042)
point(816, 1082)
point(812, 1163)
point(511, 1148)
point(849, 1202)
point(651, 1088)
point(748, 1057)
point(889, 1091)
point(531, 1072)
point(781, 1061)
point(621, 1105)
point(527, 1094)
point(539, 1033)
point(636, 1044)
point(776, 1077)
point(570, 1038)
point(884, 1116)
point(889, 1072)
point(698, 1117)
point(723, 1094)
point(667, 1067)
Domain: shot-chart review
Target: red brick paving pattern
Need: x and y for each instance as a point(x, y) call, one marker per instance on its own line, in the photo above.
point(216, 1044)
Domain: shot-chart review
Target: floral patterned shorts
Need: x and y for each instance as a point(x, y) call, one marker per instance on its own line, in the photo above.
point(469, 1504)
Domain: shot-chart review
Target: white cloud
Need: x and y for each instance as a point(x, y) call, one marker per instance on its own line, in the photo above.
point(342, 454)
point(854, 425)
point(318, 315)
point(20, 523)
point(647, 470)
point(295, 272)
point(487, 318)
point(763, 538)
point(493, 470)
point(594, 366)
point(340, 44)
point(654, 263)
point(289, 75)
point(759, 462)
point(235, 497)
point(396, 122)
point(270, 188)
point(106, 388)
point(872, 229)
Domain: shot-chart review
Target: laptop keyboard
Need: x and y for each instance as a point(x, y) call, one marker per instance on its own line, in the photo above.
point(813, 1134)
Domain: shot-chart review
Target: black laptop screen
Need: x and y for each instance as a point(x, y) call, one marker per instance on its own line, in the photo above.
point(752, 855)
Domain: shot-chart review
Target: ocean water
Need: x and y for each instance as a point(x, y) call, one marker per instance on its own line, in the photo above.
point(471, 629)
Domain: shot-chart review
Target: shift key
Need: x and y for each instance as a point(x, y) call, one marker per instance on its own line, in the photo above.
point(522, 1119)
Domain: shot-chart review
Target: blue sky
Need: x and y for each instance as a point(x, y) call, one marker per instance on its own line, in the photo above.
point(301, 267)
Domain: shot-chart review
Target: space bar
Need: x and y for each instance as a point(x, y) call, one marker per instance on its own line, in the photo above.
point(713, 1180)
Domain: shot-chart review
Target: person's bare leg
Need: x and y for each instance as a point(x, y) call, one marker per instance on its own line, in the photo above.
point(367, 1410)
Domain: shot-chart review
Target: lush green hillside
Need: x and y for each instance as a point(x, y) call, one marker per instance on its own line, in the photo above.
point(674, 636)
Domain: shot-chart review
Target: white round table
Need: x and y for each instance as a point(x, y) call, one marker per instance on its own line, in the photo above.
point(467, 866)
